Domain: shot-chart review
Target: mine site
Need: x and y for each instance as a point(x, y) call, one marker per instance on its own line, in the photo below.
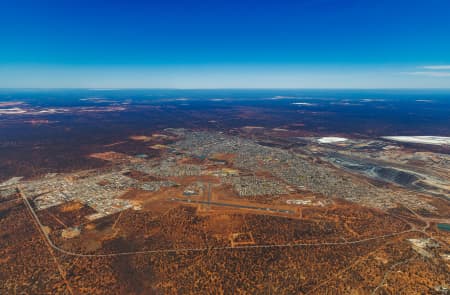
point(291, 147)
point(252, 208)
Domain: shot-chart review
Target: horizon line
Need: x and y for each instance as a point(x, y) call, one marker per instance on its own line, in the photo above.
point(225, 88)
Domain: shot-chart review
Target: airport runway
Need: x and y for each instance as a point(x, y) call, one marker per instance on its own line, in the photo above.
point(233, 205)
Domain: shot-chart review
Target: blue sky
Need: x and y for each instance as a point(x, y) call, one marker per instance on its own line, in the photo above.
point(216, 44)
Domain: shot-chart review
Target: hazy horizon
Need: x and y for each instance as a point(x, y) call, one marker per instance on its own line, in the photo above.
point(232, 44)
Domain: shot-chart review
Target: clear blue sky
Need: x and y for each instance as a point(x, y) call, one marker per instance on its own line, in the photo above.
point(233, 43)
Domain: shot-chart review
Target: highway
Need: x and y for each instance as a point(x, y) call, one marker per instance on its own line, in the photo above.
point(49, 243)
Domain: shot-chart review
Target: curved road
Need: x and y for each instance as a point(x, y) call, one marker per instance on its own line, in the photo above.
point(51, 244)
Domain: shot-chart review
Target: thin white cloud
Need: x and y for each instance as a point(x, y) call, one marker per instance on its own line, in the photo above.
point(437, 67)
point(429, 73)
